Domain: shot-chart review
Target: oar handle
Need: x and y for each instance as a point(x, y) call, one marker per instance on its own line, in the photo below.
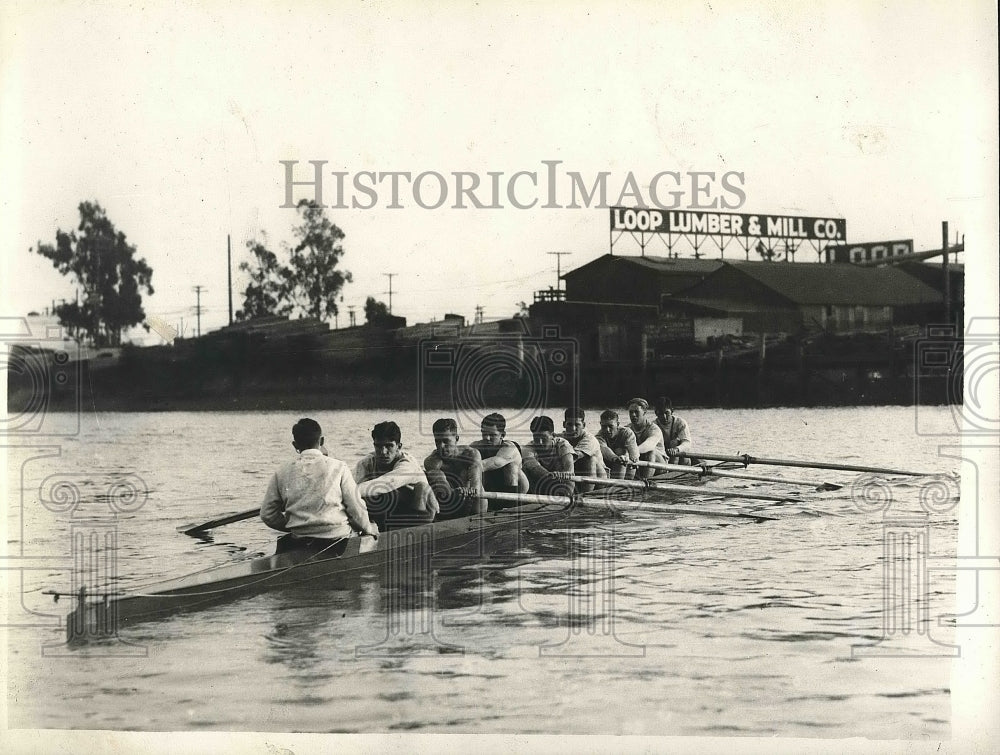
point(676, 468)
point(524, 497)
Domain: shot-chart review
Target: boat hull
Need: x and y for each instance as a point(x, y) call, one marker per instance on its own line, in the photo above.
point(107, 615)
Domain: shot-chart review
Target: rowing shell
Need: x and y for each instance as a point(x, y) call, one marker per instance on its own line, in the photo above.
point(98, 614)
point(105, 615)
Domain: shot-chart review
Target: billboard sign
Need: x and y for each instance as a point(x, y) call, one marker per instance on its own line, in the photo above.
point(728, 224)
point(869, 251)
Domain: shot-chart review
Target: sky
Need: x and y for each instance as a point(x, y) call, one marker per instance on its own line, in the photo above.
point(175, 119)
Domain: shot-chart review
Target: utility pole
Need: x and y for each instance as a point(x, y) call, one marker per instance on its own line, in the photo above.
point(229, 274)
point(559, 256)
point(197, 290)
point(390, 276)
point(946, 272)
point(350, 312)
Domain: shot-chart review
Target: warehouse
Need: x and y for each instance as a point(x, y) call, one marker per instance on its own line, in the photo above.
point(792, 297)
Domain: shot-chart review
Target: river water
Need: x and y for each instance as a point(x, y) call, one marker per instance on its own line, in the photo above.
point(638, 623)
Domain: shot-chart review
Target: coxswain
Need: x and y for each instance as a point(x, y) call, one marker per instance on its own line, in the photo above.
point(455, 472)
point(313, 497)
point(676, 436)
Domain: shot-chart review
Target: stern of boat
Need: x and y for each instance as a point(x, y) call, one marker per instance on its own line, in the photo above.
point(91, 618)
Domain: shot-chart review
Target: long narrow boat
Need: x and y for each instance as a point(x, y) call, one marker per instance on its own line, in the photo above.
point(98, 615)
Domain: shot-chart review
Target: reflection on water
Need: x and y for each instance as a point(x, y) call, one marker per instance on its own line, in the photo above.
point(635, 622)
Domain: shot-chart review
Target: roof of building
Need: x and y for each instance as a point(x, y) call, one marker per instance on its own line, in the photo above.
point(814, 283)
point(684, 265)
point(273, 325)
point(696, 305)
point(932, 273)
point(714, 306)
point(955, 267)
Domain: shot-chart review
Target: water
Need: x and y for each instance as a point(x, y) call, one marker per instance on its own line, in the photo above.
point(642, 623)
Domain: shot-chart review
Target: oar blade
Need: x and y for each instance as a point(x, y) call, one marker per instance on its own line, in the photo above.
point(202, 527)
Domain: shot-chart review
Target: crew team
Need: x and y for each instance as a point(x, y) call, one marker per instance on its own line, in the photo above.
point(315, 498)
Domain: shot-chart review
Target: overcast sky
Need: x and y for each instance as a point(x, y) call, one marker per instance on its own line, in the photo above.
point(175, 120)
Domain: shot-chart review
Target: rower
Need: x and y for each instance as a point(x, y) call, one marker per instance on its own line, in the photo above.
point(676, 436)
point(455, 473)
point(392, 483)
point(587, 457)
point(546, 459)
point(501, 459)
point(647, 435)
point(618, 447)
point(313, 497)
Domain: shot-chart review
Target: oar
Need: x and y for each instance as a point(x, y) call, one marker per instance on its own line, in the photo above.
point(668, 509)
point(524, 497)
point(707, 471)
point(592, 502)
point(681, 489)
point(747, 459)
point(196, 529)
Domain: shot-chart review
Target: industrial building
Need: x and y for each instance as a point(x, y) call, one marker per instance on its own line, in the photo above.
point(622, 308)
point(771, 297)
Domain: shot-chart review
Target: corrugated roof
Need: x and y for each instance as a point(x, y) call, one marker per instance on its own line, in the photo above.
point(815, 283)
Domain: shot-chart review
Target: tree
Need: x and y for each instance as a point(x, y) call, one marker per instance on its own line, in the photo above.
point(268, 278)
point(105, 267)
point(315, 281)
point(375, 310)
point(310, 284)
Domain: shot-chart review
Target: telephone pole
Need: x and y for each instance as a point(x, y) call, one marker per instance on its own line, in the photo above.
point(390, 276)
point(197, 290)
point(559, 256)
point(350, 312)
point(229, 274)
point(945, 272)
